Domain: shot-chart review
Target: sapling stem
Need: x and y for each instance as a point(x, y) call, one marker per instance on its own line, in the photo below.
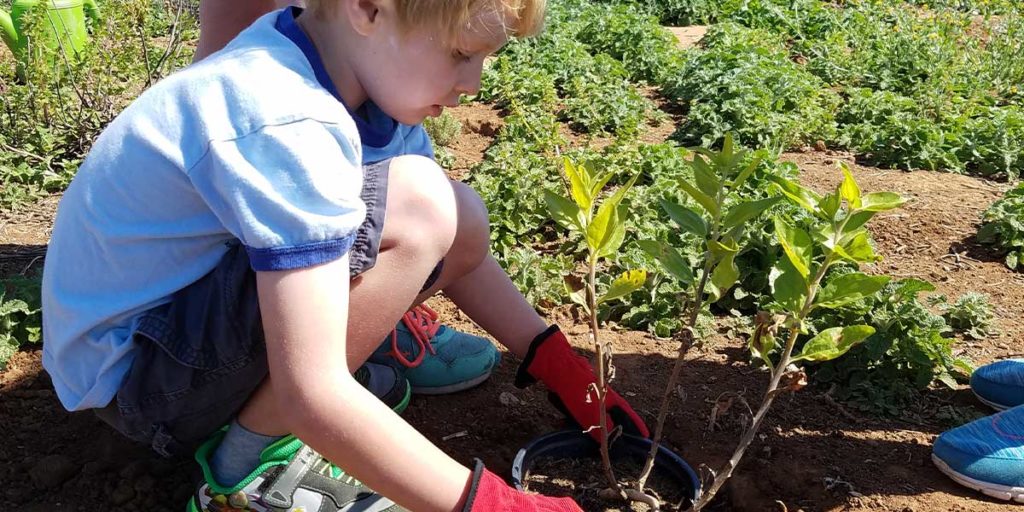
point(602, 376)
point(780, 369)
point(673, 380)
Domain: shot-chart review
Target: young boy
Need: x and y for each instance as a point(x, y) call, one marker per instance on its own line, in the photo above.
point(421, 354)
point(223, 253)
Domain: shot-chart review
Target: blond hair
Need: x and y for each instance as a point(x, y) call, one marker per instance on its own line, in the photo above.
point(521, 18)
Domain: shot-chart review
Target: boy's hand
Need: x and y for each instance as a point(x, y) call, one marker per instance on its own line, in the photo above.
point(569, 376)
point(489, 493)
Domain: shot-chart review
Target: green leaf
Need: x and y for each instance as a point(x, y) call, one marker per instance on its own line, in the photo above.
point(834, 342)
point(607, 229)
point(803, 197)
point(611, 244)
point(789, 288)
point(579, 297)
point(747, 210)
point(686, 218)
point(1012, 260)
point(858, 249)
point(723, 277)
point(829, 205)
point(703, 199)
point(948, 380)
point(849, 189)
point(705, 177)
point(669, 258)
point(598, 184)
point(625, 284)
point(881, 201)
point(578, 185)
point(849, 288)
point(909, 288)
point(857, 220)
point(797, 245)
point(563, 211)
point(723, 248)
point(745, 173)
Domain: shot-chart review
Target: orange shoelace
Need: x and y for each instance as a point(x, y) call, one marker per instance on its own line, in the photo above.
point(422, 322)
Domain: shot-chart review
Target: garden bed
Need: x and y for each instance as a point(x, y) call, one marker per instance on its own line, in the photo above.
point(814, 454)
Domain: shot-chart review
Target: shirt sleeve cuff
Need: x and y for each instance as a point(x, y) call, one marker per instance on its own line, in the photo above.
point(298, 256)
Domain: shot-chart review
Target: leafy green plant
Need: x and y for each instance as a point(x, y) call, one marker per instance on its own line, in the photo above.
point(20, 317)
point(601, 224)
point(510, 181)
point(909, 350)
point(797, 290)
point(971, 314)
point(443, 129)
point(604, 101)
point(49, 120)
point(743, 81)
point(720, 227)
point(1003, 226)
point(624, 32)
point(538, 277)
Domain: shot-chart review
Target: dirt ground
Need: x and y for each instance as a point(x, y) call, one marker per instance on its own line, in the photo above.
point(813, 455)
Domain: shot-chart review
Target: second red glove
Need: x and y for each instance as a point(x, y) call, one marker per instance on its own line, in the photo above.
point(489, 493)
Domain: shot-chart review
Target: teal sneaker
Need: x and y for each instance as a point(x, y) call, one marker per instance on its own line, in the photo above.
point(986, 455)
point(434, 358)
point(291, 477)
point(1000, 385)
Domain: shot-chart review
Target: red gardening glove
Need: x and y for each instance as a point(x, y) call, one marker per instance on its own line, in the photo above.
point(568, 375)
point(489, 493)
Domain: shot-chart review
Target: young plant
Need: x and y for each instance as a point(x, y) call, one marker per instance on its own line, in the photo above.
point(838, 236)
point(720, 225)
point(603, 229)
point(971, 314)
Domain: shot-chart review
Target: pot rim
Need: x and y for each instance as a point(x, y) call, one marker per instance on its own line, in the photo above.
point(664, 457)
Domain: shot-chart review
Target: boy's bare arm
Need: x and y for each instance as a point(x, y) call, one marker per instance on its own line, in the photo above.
point(305, 317)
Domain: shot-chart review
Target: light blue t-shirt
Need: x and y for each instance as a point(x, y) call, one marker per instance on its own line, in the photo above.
point(251, 144)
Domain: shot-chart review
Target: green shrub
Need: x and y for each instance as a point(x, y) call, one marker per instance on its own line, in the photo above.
point(908, 352)
point(625, 33)
point(603, 101)
point(443, 129)
point(971, 315)
point(49, 120)
point(20, 315)
point(1003, 226)
point(744, 81)
point(511, 181)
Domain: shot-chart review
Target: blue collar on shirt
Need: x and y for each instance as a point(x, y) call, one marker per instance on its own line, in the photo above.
point(375, 136)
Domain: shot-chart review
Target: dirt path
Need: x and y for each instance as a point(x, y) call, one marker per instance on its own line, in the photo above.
point(813, 455)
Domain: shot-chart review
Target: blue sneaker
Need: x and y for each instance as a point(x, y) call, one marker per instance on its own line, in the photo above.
point(986, 455)
point(1000, 385)
point(434, 358)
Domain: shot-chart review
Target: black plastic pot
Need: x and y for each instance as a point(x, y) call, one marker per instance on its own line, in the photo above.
point(573, 444)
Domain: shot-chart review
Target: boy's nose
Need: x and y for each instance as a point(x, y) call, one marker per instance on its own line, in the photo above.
point(469, 84)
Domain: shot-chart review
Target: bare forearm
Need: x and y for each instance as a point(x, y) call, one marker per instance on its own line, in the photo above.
point(353, 429)
point(490, 298)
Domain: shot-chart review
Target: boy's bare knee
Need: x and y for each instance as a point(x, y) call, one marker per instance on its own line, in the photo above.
point(472, 239)
point(422, 209)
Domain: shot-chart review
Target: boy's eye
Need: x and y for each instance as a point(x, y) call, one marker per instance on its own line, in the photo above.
point(461, 56)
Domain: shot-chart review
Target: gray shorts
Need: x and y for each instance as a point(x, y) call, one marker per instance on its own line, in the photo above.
point(199, 357)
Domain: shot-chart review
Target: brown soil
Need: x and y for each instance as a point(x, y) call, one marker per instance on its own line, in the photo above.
point(688, 36)
point(812, 454)
point(583, 480)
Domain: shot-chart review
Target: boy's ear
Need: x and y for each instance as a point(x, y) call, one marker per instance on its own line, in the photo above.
point(364, 15)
